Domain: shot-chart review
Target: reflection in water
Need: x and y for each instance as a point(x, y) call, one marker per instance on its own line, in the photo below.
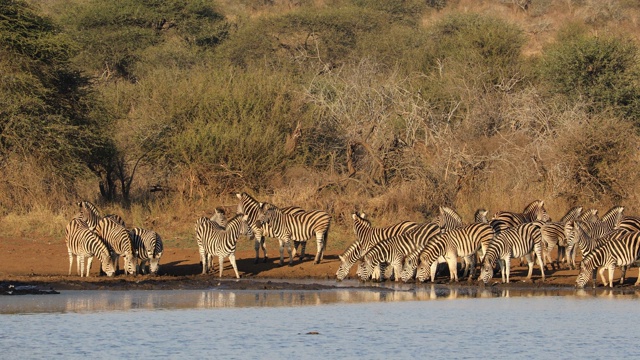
point(96, 301)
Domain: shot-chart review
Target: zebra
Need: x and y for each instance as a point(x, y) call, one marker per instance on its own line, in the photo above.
point(147, 247)
point(117, 218)
point(630, 223)
point(621, 250)
point(257, 230)
point(117, 239)
point(553, 235)
point(297, 227)
point(82, 242)
point(513, 243)
point(392, 251)
point(449, 219)
point(90, 214)
point(480, 216)
point(535, 211)
point(464, 242)
point(218, 218)
point(221, 242)
point(610, 221)
point(367, 237)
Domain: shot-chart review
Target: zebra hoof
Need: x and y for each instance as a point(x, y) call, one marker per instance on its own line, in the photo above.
point(265, 259)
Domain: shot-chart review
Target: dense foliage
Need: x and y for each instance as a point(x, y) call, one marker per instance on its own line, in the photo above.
point(394, 106)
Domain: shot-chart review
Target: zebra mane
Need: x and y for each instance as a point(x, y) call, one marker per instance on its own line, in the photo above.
point(448, 216)
point(572, 214)
point(532, 209)
point(88, 206)
point(614, 215)
point(360, 217)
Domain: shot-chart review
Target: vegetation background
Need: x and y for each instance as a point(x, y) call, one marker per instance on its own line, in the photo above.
point(159, 109)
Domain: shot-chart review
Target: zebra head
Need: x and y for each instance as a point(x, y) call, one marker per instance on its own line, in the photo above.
point(423, 272)
point(409, 268)
point(365, 269)
point(130, 266)
point(154, 264)
point(343, 270)
point(486, 273)
point(582, 279)
point(107, 266)
point(481, 216)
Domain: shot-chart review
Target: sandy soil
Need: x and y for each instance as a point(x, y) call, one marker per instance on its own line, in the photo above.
point(45, 265)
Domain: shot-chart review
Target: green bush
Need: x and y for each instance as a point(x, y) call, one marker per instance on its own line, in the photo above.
point(601, 71)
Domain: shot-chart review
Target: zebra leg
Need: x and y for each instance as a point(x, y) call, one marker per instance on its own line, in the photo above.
point(89, 261)
point(303, 249)
point(624, 273)
point(320, 248)
point(70, 262)
point(204, 258)
point(81, 265)
point(79, 259)
point(287, 243)
point(434, 269)
point(220, 263)
point(452, 262)
point(611, 269)
point(601, 272)
point(232, 260)
point(281, 248)
point(638, 279)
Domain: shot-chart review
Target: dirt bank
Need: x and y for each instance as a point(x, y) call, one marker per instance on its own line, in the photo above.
point(45, 265)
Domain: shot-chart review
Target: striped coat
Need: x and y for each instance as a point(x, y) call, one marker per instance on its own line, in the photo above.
point(119, 242)
point(83, 243)
point(514, 242)
point(147, 247)
point(368, 236)
point(622, 250)
point(393, 251)
point(221, 242)
point(297, 227)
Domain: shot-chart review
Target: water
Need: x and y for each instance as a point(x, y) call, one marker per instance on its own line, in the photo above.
point(341, 323)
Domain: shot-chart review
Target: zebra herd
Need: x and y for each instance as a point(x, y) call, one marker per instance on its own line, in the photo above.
point(412, 250)
point(292, 226)
point(90, 235)
point(406, 250)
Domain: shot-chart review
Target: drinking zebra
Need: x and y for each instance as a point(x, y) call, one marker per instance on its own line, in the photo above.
point(299, 226)
point(464, 243)
point(83, 243)
point(392, 251)
point(147, 247)
point(221, 242)
point(584, 234)
point(513, 242)
point(621, 250)
point(116, 237)
point(367, 237)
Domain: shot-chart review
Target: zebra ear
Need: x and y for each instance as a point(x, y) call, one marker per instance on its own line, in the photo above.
point(341, 258)
point(363, 215)
point(239, 195)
